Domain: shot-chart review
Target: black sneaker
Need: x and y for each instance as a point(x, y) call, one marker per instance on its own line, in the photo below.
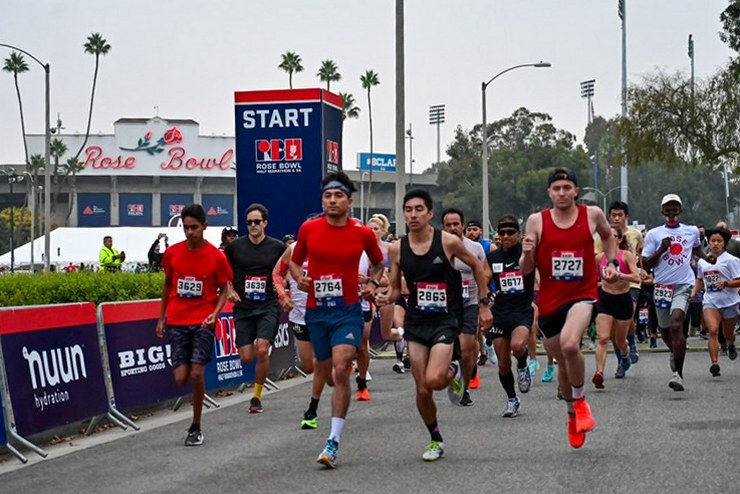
point(195, 438)
point(465, 401)
point(255, 405)
point(482, 359)
point(714, 369)
point(723, 351)
point(732, 352)
point(406, 362)
point(310, 420)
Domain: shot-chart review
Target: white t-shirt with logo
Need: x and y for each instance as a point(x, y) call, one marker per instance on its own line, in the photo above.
point(470, 287)
point(674, 266)
point(726, 268)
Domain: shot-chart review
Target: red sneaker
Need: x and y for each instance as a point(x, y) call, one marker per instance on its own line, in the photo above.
point(598, 380)
point(363, 394)
point(575, 438)
point(584, 421)
point(475, 382)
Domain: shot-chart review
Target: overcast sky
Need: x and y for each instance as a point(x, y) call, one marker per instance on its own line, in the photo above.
point(188, 57)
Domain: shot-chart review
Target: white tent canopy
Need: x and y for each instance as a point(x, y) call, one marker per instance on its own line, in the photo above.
point(82, 245)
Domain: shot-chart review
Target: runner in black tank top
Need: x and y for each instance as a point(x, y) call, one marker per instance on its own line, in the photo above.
point(431, 324)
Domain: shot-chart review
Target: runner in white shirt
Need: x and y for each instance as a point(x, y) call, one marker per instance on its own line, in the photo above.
point(720, 282)
point(667, 251)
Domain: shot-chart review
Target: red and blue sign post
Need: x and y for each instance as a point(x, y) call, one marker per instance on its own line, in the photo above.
point(286, 142)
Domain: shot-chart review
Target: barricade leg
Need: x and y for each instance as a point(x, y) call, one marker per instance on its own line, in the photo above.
point(270, 384)
point(208, 400)
point(28, 444)
point(17, 453)
point(117, 417)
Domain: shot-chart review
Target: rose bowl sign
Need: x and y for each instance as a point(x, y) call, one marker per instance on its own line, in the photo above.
point(151, 147)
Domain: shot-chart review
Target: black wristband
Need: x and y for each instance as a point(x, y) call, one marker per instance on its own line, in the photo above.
point(374, 282)
point(614, 263)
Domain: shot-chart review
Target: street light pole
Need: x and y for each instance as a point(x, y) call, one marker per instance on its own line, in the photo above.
point(47, 155)
point(484, 153)
point(410, 136)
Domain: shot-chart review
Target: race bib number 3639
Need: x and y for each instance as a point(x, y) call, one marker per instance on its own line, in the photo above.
point(255, 288)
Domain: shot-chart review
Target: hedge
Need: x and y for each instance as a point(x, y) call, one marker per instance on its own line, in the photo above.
point(61, 288)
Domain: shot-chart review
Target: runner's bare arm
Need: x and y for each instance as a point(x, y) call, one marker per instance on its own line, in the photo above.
point(698, 285)
point(652, 261)
point(529, 243)
point(210, 321)
point(389, 297)
point(453, 245)
point(278, 280)
point(163, 306)
point(598, 220)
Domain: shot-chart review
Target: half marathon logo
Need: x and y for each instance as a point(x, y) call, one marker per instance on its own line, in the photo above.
point(278, 155)
point(54, 367)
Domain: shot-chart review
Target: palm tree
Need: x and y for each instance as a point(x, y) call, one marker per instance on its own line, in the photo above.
point(16, 64)
point(328, 72)
point(95, 45)
point(349, 110)
point(369, 79)
point(291, 63)
point(57, 149)
point(71, 168)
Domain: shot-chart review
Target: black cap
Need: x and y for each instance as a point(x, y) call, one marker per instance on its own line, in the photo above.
point(229, 231)
point(288, 237)
point(474, 223)
point(562, 174)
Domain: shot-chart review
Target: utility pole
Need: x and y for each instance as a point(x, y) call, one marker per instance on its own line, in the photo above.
point(587, 91)
point(437, 117)
point(400, 121)
point(410, 136)
point(624, 178)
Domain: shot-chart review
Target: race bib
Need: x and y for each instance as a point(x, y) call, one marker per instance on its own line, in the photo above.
point(466, 291)
point(512, 283)
point(710, 281)
point(328, 290)
point(663, 296)
point(189, 287)
point(567, 265)
point(255, 288)
point(431, 297)
point(643, 316)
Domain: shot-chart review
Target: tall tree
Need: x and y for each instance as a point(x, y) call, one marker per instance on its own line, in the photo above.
point(730, 19)
point(95, 45)
point(16, 64)
point(369, 80)
point(349, 108)
point(291, 63)
point(57, 149)
point(328, 73)
point(666, 123)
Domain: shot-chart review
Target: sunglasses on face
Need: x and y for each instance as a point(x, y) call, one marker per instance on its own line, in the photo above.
point(507, 233)
point(253, 222)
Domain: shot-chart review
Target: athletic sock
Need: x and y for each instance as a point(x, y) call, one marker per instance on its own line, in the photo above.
point(258, 391)
point(507, 381)
point(474, 373)
point(618, 354)
point(577, 391)
point(361, 383)
point(433, 429)
point(521, 361)
point(314, 405)
point(631, 340)
point(571, 408)
point(679, 365)
point(194, 427)
point(337, 424)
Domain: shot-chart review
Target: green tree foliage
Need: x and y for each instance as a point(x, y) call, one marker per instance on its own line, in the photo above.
point(291, 63)
point(21, 228)
point(665, 124)
point(730, 19)
point(349, 106)
point(328, 73)
point(524, 149)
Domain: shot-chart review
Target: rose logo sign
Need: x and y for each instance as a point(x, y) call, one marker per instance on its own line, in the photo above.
point(171, 136)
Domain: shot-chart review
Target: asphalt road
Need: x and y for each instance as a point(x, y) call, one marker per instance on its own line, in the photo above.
point(648, 439)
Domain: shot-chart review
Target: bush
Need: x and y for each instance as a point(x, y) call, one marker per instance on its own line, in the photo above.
point(84, 286)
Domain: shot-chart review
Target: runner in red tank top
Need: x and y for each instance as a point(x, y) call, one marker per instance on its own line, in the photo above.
point(559, 243)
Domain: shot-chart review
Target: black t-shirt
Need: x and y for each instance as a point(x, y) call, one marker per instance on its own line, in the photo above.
point(252, 265)
point(514, 291)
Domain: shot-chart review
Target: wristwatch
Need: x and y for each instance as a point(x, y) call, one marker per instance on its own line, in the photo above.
point(484, 300)
point(374, 282)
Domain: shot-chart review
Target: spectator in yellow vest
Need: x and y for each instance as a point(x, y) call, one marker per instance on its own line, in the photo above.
point(110, 258)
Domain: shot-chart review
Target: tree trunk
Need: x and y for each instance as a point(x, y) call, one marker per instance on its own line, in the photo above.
point(370, 184)
point(89, 113)
point(23, 124)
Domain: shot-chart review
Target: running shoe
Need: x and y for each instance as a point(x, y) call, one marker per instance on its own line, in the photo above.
point(491, 354)
point(653, 342)
point(584, 420)
point(482, 359)
point(310, 421)
point(534, 366)
point(368, 377)
point(195, 438)
point(398, 368)
point(363, 394)
point(676, 382)
point(619, 374)
point(598, 380)
point(456, 388)
point(475, 381)
point(549, 374)
point(714, 369)
point(634, 355)
point(406, 362)
point(328, 457)
point(524, 379)
point(723, 351)
point(626, 363)
point(434, 451)
point(512, 407)
point(575, 438)
point(465, 401)
point(255, 405)
point(732, 352)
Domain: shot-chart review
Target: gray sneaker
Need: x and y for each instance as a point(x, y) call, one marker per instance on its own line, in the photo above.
point(456, 387)
point(524, 379)
point(512, 407)
point(676, 382)
point(195, 438)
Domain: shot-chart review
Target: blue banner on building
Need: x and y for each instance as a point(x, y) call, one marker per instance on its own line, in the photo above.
point(170, 207)
point(135, 209)
point(93, 209)
point(286, 141)
point(380, 162)
point(219, 209)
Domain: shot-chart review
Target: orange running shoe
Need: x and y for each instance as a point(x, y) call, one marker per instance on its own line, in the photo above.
point(363, 394)
point(475, 381)
point(575, 438)
point(584, 421)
